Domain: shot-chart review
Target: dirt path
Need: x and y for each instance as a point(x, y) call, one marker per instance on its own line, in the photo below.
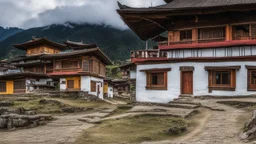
point(217, 127)
point(66, 129)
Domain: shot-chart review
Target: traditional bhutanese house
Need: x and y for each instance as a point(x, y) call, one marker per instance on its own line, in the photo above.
point(108, 89)
point(26, 82)
point(211, 49)
point(33, 64)
point(80, 70)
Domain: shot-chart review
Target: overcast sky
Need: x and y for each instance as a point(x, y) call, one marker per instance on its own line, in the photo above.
point(35, 13)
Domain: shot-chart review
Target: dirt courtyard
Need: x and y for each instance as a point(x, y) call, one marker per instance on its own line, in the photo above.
point(220, 124)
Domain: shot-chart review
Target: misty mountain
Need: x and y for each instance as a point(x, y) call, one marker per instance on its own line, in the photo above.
point(115, 43)
point(7, 32)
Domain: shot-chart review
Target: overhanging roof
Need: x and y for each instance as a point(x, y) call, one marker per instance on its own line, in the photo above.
point(79, 45)
point(39, 41)
point(152, 21)
point(95, 52)
point(23, 75)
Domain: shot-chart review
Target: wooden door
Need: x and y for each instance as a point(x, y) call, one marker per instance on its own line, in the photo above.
point(187, 82)
point(9, 85)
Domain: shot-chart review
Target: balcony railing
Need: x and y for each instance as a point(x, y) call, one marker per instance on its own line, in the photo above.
point(148, 54)
point(193, 41)
point(244, 38)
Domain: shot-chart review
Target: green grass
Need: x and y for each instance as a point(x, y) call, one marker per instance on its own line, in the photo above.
point(131, 130)
point(40, 108)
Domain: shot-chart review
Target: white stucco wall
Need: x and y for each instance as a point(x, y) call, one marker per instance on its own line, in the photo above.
point(44, 81)
point(63, 87)
point(133, 74)
point(86, 85)
point(200, 81)
point(110, 91)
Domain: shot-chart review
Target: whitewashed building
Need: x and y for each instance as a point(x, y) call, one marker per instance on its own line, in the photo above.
point(209, 50)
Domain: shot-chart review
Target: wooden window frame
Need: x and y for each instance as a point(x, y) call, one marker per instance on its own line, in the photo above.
point(93, 86)
point(149, 73)
point(250, 87)
point(4, 87)
point(222, 87)
point(73, 84)
point(186, 35)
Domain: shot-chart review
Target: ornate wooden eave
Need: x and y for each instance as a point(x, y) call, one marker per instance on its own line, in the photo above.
point(152, 21)
point(207, 68)
point(156, 70)
point(39, 42)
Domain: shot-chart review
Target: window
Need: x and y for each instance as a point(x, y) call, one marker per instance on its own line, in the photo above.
point(186, 35)
point(157, 80)
point(69, 64)
point(93, 86)
point(57, 65)
point(19, 85)
point(222, 78)
point(86, 65)
point(2, 86)
point(48, 82)
point(70, 84)
point(241, 32)
point(212, 33)
point(251, 78)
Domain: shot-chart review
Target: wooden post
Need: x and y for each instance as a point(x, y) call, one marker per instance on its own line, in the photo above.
point(195, 35)
point(228, 32)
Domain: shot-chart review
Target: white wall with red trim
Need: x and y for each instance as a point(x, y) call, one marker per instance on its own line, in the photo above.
point(200, 81)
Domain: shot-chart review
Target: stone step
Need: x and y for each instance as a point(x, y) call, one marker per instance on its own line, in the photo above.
point(185, 106)
point(184, 102)
point(186, 95)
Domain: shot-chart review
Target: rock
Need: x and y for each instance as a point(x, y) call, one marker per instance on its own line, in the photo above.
point(55, 102)
point(243, 136)
point(20, 122)
point(3, 110)
point(3, 123)
point(177, 129)
point(6, 103)
point(10, 123)
point(31, 112)
point(22, 99)
point(72, 109)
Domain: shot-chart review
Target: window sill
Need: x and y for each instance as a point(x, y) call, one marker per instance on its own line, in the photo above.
point(222, 89)
point(250, 89)
point(156, 88)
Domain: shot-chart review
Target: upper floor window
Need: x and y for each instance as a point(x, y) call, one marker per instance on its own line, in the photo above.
point(241, 32)
point(212, 33)
point(186, 35)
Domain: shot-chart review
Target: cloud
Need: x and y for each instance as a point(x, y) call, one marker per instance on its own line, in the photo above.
point(36, 13)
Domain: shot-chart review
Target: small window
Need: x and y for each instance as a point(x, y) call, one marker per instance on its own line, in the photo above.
point(93, 86)
point(48, 82)
point(222, 78)
point(157, 80)
point(19, 85)
point(2, 86)
point(70, 84)
point(186, 35)
point(63, 82)
point(86, 66)
point(241, 32)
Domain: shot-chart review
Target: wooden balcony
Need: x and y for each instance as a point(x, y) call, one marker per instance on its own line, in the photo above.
point(148, 54)
point(192, 42)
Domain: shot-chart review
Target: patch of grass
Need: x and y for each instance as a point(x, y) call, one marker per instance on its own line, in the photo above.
point(132, 130)
point(121, 110)
point(83, 103)
point(40, 108)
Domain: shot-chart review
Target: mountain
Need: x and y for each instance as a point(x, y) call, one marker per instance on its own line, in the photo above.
point(115, 43)
point(7, 32)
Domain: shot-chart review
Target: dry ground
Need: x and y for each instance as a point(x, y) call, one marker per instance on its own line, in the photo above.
point(211, 127)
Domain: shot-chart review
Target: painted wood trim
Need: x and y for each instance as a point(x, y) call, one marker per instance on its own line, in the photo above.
point(207, 68)
point(156, 70)
point(187, 68)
